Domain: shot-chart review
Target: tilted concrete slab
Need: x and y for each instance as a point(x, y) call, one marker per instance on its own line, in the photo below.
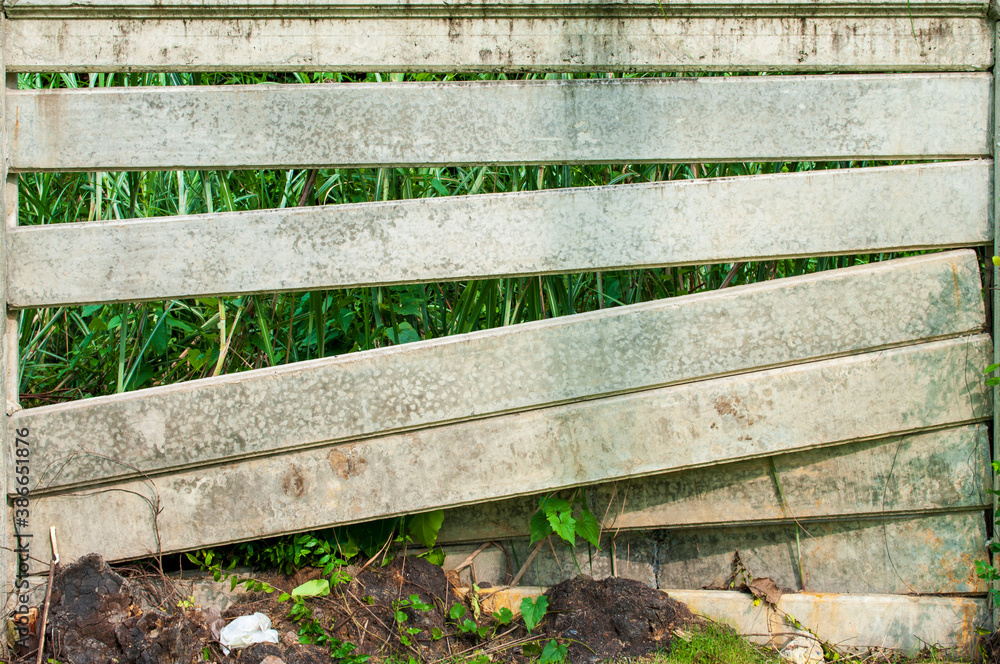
point(345, 398)
point(704, 423)
point(942, 470)
point(920, 554)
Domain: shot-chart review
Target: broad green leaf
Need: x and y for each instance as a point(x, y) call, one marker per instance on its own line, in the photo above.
point(553, 653)
point(434, 556)
point(564, 525)
point(540, 528)
point(314, 588)
point(158, 342)
point(347, 546)
point(457, 611)
point(424, 527)
point(551, 505)
point(559, 514)
point(588, 527)
point(533, 611)
point(503, 616)
point(406, 334)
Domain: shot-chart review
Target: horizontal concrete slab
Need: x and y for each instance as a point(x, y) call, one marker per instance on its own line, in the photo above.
point(942, 470)
point(731, 118)
point(445, 239)
point(805, 37)
point(854, 622)
point(871, 395)
point(923, 554)
point(19, 9)
point(508, 369)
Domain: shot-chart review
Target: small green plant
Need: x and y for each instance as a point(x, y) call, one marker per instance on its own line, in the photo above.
point(555, 515)
point(553, 653)
point(503, 616)
point(310, 631)
point(466, 625)
point(207, 560)
point(399, 608)
point(534, 611)
point(984, 569)
point(186, 603)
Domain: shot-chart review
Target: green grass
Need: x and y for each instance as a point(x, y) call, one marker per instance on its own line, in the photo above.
point(713, 644)
point(717, 644)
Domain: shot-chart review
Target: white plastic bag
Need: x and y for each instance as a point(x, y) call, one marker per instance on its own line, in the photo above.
point(246, 631)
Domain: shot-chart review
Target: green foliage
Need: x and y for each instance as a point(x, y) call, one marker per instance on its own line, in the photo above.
point(314, 588)
point(424, 528)
point(331, 548)
point(326, 549)
point(992, 380)
point(400, 607)
point(555, 516)
point(207, 560)
point(534, 611)
point(984, 569)
point(434, 556)
point(457, 615)
point(713, 642)
point(553, 653)
point(503, 616)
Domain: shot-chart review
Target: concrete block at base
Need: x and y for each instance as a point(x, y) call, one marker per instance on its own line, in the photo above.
point(851, 622)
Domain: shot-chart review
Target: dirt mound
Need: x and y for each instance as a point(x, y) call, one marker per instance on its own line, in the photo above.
point(97, 616)
point(364, 611)
point(613, 618)
point(404, 609)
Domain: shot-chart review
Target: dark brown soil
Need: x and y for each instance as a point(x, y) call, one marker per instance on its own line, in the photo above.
point(612, 619)
point(99, 617)
point(363, 611)
point(989, 649)
point(96, 617)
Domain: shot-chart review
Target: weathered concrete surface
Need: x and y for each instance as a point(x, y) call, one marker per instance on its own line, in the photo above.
point(445, 239)
point(507, 369)
point(941, 470)
point(634, 557)
point(857, 622)
point(932, 554)
point(924, 554)
point(731, 118)
point(507, 38)
point(19, 9)
point(697, 424)
point(8, 347)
